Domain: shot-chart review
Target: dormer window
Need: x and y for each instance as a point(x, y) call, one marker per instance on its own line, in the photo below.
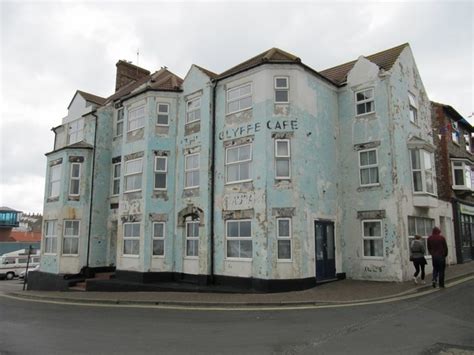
point(413, 108)
point(76, 131)
point(364, 102)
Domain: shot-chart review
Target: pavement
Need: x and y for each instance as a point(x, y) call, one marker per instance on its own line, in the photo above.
point(342, 292)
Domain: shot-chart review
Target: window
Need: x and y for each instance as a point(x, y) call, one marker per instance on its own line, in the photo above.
point(282, 159)
point(75, 180)
point(239, 239)
point(365, 102)
point(192, 238)
point(368, 167)
point(462, 175)
point(422, 170)
point(455, 132)
point(116, 178)
point(372, 237)
point(421, 226)
point(119, 124)
point(191, 170)
point(284, 238)
point(193, 110)
point(161, 166)
point(54, 181)
point(237, 163)
point(133, 175)
point(281, 90)
point(413, 108)
point(467, 140)
point(131, 239)
point(163, 114)
point(239, 98)
point(76, 131)
point(50, 238)
point(136, 118)
point(158, 239)
point(71, 238)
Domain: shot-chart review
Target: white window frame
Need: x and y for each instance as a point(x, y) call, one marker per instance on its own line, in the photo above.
point(191, 171)
point(467, 141)
point(75, 131)
point(160, 239)
point(245, 161)
point(239, 239)
point(285, 88)
point(467, 172)
point(133, 239)
point(116, 179)
point(167, 114)
point(119, 122)
point(369, 238)
point(50, 240)
point(425, 173)
point(284, 238)
point(160, 172)
point(413, 108)
point(455, 133)
point(365, 101)
point(193, 238)
point(127, 175)
point(193, 109)
point(239, 98)
point(73, 179)
point(74, 238)
point(421, 228)
point(369, 166)
point(282, 157)
point(138, 120)
point(54, 181)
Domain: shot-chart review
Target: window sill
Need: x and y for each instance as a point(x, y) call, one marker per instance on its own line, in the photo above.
point(284, 261)
point(367, 115)
point(162, 125)
point(136, 129)
point(70, 255)
point(233, 113)
point(373, 258)
point(238, 259)
point(191, 258)
point(238, 182)
point(132, 191)
point(131, 256)
point(158, 257)
point(191, 122)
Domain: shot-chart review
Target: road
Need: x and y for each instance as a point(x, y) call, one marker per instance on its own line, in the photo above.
point(426, 325)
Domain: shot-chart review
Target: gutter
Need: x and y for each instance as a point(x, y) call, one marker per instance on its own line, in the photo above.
point(212, 157)
point(92, 192)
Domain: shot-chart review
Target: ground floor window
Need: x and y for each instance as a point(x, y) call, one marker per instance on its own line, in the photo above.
point(284, 238)
point(239, 239)
point(71, 238)
point(372, 238)
point(192, 238)
point(420, 226)
point(131, 239)
point(50, 237)
point(159, 239)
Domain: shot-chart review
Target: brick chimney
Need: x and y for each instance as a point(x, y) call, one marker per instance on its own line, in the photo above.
point(127, 73)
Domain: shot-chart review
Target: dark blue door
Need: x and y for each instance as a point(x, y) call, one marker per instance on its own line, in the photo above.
point(325, 250)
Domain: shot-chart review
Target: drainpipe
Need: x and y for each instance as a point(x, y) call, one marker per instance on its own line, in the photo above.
point(212, 153)
point(92, 193)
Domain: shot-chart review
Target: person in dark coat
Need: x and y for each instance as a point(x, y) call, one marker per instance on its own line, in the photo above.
point(417, 255)
point(438, 249)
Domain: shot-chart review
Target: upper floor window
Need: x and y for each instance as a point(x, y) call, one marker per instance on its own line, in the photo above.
point(467, 140)
point(420, 226)
point(54, 180)
point(116, 173)
point(136, 118)
point(239, 239)
point(161, 168)
point(71, 237)
point(462, 175)
point(284, 238)
point(372, 238)
point(368, 167)
point(75, 179)
point(191, 170)
point(133, 175)
point(119, 123)
point(193, 110)
point(131, 239)
point(364, 102)
point(455, 132)
point(239, 98)
point(413, 108)
point(422, 168)
point(282, 159)
point(163, 114)
point(282, 88)
point(76, 131)
point(158, 239)
point(192, 238)
point(50, 237)
point(237, 163)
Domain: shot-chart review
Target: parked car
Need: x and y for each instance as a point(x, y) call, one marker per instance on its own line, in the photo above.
point(13, 263)
point(23, 273)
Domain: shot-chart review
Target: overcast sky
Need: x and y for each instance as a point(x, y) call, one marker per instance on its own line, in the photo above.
point(51, 49)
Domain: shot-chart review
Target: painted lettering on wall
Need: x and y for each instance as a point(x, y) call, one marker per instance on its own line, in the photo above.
point(256, 127)
point(239, 201)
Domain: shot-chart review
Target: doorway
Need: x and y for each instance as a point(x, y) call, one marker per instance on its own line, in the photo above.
point(324, 250)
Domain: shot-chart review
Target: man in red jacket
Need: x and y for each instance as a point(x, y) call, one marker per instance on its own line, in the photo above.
point(438, 249)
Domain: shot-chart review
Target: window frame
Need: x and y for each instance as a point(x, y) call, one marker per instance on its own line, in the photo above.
point(160, 239)
point(73, 237)
point(239, 238)
point(284, 238)
point(56, 182)
point(455, 134)
point(116, 179)
point(284, 88)
point(227, 164)
point(413, 108)
point(424, 235)
point(119, 122)
point(73, 178)
point(279, 157)
point(193, 110)
point(167, 114)
point(139, 119)
point(193, 238)
point(127, 175)
point(468, 142)
point(161, 172)
point(239, 98)
point(465, 168)
point(131, 239)
point(369, 166)
point(50, 240)
point(376, 238)
point(423, 171)
point(77, 133)
point(192, 170)
point(364, 101)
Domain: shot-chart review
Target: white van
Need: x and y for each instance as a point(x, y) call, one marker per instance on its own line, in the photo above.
point(13, 263)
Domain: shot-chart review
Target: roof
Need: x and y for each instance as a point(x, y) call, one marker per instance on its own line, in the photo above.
point(209, 73)
point(273, 55)
point(8, 209)
point(383, 60)
point(455, 115)
point(88, 97)
point(20, 236)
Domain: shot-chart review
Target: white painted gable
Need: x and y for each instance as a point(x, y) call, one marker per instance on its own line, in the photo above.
point(363, 71)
